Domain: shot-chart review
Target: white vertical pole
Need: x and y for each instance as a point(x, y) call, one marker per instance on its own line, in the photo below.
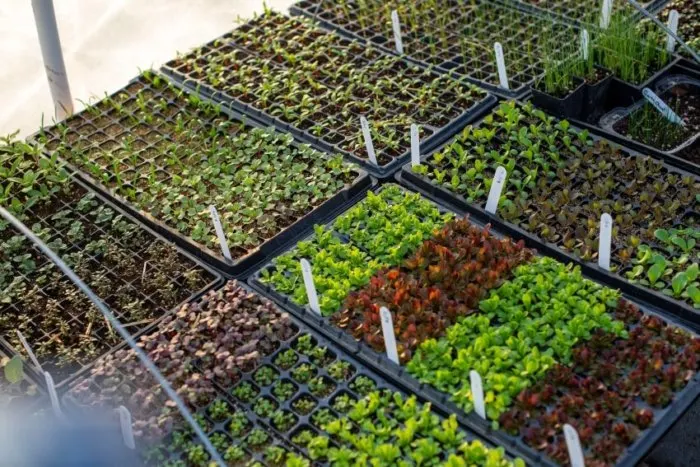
point(45, 19)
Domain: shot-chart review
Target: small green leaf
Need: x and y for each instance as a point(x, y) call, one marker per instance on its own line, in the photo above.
point(662, 234)
point(14, 370)
point(655, 271)
point(679, 282)
point(692, 272)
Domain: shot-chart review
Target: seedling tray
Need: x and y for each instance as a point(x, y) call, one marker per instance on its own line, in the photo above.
point(679, 309)
point(104, 126)
point(25, 396)
point(501, 23)
point(324, 117)
point(258, 385)
point(673, 156)
point(577, 12)
point(664, 418)
point(143, 239)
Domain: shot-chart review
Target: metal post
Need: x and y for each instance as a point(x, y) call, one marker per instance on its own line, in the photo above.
point(45, 19)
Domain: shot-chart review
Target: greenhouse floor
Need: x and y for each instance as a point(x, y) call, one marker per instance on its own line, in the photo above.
point(105, 42)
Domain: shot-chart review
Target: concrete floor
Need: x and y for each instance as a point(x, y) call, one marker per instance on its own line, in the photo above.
point(105, 43)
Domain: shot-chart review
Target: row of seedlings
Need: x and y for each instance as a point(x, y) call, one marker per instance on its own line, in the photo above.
point(455, 37)
point(551, 346)
point(171, 156)
point(137, 275)
point(319, 85)
point(268, 391)
point(560, 180)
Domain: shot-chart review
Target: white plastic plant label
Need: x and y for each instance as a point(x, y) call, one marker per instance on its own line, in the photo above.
point(496, 188)
point(585, 40)
point(573, 445)
point(673, 19)
point(606, 225)
point(388, 332)
point(415, 146)
point(605, 12)
point(501, 65)
point(220, 232)
point(51, 388)
point(396, 25)
point(661, 106)
point(127, 430)
point(477, 394)
point(368, 141)
point(29, 350)
point(311, 294)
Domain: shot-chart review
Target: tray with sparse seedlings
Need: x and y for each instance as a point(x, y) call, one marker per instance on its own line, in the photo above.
point(267, 388)
point(138, 275)
point(455, 37)
point(580, 11)
point(18, 390)
point(167, 156)
point(317, 85)
point(675, 138)
point(560, 180)
point(544, 338)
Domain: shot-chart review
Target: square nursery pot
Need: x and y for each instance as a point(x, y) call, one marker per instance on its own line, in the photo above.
point(596, 93)
point(653, 78)
point(612, 118)
point(569, 106)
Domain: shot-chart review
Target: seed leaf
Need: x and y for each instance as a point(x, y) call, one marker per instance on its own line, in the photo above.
point(14, 370)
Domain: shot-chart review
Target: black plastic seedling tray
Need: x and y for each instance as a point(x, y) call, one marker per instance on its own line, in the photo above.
point(216, 279)
point(609, 120)
point(437, 134)
point(575, 11)
point(305, 420)
point(241, 265)
point(686, 313)
point(663, 419)
point(519, 81)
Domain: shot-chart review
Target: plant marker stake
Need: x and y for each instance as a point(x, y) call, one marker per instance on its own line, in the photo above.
point(673, 18)
point(605, 14)
point(662, 107)
point(220, 232)
point(47, 30)
point(496, 189)
point(368, 141)
point(584, 43)
point(26, 346)
point(477, 394)
point(397, 31)
point(501, 64)
point(606, 224)
point(143, 273)
point(665, 29)
point(310, 286)
point(128, 338)
point(573, 444)
point(51, 388)
point(127, 430)
point(415, 146)
point(389, 337)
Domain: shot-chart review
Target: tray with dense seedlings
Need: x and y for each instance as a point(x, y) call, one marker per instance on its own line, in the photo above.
point(688, 24)
point(524, 323)
point(317, 84)
point(453, 36)
point(266, 388)
point(167, 156)
point(138, 275)
point(560, 181)
point(378, 231)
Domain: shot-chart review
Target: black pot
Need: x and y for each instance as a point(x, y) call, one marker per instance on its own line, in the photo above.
point(596, 94)
point(569, 106)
